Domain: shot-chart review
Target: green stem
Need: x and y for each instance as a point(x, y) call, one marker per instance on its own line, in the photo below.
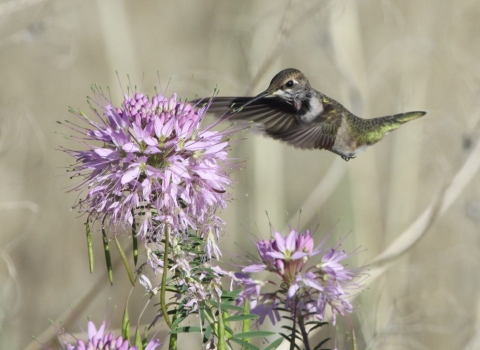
point(221, 329)
point(211, 321)
point(227, 323)
point(173, 338)
point(246, 323)
point(294, 326)
point(135, 240)
point(164, 279)
point(301, 324)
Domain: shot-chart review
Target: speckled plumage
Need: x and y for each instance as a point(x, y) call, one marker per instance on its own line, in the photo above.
point(292, 111)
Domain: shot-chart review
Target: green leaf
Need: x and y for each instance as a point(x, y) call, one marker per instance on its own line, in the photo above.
point(287, 327)
point(202, 314)
point(126, 325)
point(90, 246)
point(321, 343)
point(207, 333)
point(226, 307)
point(177, 321)
point(212, 302)
point(125, 262)
point(317, 326)
point(244, 344)
point(186, 329)
point(289, 340)
point(316, 322)
point(241, 317)
point(293, 330)
point(253, 334)
point(283, 309)
point(231, 294)
point(229, 330)
point(209, 315)
point(232, 307)
point(108, 258)
point(274, 344)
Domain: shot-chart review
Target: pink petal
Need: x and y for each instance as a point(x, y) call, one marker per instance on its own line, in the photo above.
point(130, 175)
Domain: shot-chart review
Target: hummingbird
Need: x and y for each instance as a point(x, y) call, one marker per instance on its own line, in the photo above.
point(292, 111)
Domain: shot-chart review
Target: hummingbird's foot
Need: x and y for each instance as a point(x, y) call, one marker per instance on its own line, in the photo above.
point(345, 158)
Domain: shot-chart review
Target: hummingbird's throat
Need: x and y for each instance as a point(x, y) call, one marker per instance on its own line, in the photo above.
point(297, 104)
point(311, 109)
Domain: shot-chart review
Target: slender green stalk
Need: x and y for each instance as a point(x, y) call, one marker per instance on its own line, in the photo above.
point(211, 321)
point(301, 324)
point(164, 279)
point(294, 327)
point(221, 329)
point(173, 343)
point(135, 241)
point(246, 323)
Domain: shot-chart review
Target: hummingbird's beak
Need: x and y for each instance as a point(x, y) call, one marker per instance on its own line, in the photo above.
point(259, 96)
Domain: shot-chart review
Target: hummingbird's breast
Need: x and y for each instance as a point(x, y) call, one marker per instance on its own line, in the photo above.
point(345, 144)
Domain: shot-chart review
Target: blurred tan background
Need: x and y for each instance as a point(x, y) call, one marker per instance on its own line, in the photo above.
point(377, 57)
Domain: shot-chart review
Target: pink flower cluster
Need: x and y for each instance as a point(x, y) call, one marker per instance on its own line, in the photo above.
point(150, 162)
point(100, 340)
point(303, 289)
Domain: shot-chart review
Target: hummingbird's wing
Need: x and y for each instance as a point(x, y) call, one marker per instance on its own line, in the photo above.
point(277, 119)
point(320, 134)
point(269, 115)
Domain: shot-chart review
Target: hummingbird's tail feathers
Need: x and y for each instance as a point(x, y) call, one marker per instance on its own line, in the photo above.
point(389, 123)
point(395, 121)
point(370, 131)
point(402, 118)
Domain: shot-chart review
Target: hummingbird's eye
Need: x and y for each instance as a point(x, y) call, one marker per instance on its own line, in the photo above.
point(289, 83)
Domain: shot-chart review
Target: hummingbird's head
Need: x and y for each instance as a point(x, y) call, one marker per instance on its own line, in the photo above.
point(290, 85)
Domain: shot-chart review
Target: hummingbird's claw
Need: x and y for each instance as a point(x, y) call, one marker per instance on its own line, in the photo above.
point(345, 158)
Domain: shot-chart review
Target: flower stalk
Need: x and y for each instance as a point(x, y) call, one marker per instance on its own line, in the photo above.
point(163, 288)
point(294, 329)
point(301, 325)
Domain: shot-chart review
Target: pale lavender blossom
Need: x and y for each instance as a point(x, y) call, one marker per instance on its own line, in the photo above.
point(202, 282)
point(267, 307)
point(305, 290)
point(148, 161)
point(99, 339)
point(250, 288)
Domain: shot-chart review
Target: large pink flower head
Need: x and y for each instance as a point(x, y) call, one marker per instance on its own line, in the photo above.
point(306, 289)
point(284, 256)
point(148, 161)
point(99, 339)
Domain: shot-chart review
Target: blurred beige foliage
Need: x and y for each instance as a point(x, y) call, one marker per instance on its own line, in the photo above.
point(377, 57)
